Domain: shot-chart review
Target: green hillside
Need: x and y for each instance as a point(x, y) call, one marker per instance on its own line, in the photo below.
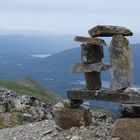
point(31, 88)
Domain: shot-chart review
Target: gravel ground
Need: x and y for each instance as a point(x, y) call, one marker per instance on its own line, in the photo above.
point(47, 130)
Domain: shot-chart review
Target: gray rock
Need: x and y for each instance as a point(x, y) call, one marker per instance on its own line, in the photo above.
point(16, 104)
point(24, 99)
point(25, 117)
point(130, 110)
point(32, 110)
point(2, 108)
point(108, 31)
point(6, 120)
point(121, 63)
point(40, 113)
point(66, 118)
point(93, 41)
point(91, 53)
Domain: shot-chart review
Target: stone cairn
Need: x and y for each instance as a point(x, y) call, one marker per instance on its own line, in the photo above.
point(71, 112)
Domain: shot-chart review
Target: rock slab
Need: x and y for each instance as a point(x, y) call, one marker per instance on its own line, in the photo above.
point(89, 40)
point(82, 67)
point(127, 129)
point(121, 63)
point(109, 31)
point(66, 118)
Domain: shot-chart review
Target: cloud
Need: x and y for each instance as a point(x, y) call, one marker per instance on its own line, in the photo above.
point(68, 16)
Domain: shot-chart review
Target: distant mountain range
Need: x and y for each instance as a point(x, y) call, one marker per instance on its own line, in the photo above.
point(29, 44)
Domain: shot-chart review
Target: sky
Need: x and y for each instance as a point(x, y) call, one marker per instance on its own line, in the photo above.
point(68, 16)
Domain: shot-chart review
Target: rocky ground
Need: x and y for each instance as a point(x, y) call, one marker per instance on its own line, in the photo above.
point(18, 109)
point(24, 117)
point(100, 129)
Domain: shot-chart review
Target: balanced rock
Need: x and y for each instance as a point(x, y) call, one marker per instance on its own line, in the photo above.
point(89, 40)
point(66, 118)
point(127, 129)
point(91, 53)
point(82, 67)
point(121, 63)
point(108, 31)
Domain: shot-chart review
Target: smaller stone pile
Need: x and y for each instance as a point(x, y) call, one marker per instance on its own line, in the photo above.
point(19, 109)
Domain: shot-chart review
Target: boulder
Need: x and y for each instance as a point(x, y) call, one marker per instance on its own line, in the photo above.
point(8, 119)
point(66, 118)
point(91, 53)
point(108, 31)
point(2, 108)
point(40, 113)
point(25, 117)
point(32, 110)
point(121, 63)
point(24, 99)
point(130, 110)
point(127, 129)
point(89, 40)
point(16, 104)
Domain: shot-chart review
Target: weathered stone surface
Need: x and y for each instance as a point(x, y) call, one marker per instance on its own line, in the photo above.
point(15, 103)
point(66, 118)
point(25, 117)
point(121, 63)
point(89, 40)
point(91, 53)
point(2, 108)
point(97, 67)
point(127, 129)
point(108, 30)
point(130, 110)
point(104, 95)
point(93, 80)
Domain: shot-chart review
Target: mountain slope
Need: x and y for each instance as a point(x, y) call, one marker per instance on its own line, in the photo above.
point(31, 88)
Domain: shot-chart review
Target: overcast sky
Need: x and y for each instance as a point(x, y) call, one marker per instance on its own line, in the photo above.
point(68, 16)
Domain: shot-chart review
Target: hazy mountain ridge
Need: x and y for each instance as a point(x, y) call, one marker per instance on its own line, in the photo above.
point(35, 43)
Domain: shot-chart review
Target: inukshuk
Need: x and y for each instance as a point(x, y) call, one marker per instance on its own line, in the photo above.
point(67, 113)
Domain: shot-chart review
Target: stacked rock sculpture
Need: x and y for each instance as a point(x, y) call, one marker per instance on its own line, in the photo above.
point(91, 65)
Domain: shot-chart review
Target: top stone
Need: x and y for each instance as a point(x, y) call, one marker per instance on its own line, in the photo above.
point(108, 31)
point(89, 40)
